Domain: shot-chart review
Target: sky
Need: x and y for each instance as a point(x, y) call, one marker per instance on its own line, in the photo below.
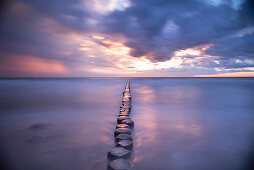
point(127, 38)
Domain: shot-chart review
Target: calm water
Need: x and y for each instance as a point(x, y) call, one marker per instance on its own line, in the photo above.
point(180, 123)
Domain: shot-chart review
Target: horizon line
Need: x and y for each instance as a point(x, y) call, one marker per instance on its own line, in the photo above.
point(25, 77)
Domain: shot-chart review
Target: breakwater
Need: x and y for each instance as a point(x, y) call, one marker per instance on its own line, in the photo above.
point(120, 156)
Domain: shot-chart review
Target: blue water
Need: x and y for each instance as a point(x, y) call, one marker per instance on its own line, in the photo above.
point(180, 123)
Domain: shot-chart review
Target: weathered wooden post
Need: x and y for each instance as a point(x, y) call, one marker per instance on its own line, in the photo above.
point(119, 156)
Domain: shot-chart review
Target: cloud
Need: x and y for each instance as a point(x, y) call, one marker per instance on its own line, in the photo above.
point(120, 33)
point(240, 46)
point(235, 74)
point(26, 65)
point(158, 28)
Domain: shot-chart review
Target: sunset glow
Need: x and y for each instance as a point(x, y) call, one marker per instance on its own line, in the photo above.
point(111, 38)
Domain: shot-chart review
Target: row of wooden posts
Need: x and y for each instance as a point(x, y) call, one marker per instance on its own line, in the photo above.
point(120, 156)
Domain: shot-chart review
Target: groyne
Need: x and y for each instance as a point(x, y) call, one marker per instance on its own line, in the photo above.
point(120, 156)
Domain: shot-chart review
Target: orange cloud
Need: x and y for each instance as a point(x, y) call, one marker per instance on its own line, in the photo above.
point(196, 51)
point(235, 74)
point(31, 64)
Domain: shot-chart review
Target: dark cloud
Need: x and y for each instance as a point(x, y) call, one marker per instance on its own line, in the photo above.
point(28, 31)
point(234, 47)
point(69, 13)
point(193, 23)
point(247, 11)
point(137, 49)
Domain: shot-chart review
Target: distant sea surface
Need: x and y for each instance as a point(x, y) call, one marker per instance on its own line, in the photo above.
point(180, 123)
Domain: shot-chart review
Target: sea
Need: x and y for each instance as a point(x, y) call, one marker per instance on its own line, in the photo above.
point(180, 123)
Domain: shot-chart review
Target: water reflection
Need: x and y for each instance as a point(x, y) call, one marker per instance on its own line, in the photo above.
point(145, 94)
point(180, 126)
point(58, 124)
point(145, 115)
point(156, 129)
point(179, 123)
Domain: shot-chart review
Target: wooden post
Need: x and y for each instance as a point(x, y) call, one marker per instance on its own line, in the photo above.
point(119, 156)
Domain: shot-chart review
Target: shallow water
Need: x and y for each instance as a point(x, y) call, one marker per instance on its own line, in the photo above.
point(180, 123)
